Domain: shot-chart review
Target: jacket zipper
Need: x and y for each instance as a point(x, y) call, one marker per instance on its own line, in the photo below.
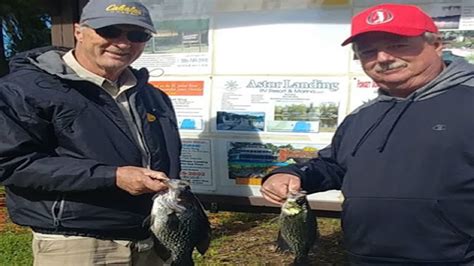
point(140, 129)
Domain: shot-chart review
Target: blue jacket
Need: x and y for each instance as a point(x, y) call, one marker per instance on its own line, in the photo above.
point(61, 141)
point(406, 169)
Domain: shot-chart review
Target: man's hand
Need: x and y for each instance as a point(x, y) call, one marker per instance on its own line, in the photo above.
point(276, 187)
point(138, 180)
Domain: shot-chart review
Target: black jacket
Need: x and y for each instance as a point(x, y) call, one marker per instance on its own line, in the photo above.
point(61, 141)
point(406, 169)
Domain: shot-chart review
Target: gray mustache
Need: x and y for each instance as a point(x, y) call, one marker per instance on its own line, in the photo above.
point(385, 67)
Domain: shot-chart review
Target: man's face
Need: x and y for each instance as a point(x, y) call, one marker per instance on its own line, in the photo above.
point(399, 65)
point(106, 56)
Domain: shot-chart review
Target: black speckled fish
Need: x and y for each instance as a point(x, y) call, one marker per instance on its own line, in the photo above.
point(298, 227)
point(179, 223)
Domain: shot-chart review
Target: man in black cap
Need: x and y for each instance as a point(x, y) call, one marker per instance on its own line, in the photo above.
point(86, 142)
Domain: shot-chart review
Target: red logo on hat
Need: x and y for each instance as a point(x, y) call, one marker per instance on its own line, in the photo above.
point(379, 16)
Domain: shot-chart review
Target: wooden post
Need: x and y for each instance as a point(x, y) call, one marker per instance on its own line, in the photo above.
point(63, 16)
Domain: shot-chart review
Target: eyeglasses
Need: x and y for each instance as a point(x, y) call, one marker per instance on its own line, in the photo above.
point(112, 32)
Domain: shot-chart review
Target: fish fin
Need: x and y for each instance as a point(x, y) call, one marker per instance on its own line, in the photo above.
point(161, 250)
point(282, 245)
point(205, 233)
point(201, 212)
point(203, 245)
point(205, 227)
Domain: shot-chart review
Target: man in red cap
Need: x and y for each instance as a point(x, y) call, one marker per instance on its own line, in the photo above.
point(404, 161)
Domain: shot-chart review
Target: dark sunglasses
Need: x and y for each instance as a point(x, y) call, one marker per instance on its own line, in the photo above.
point(112, 32)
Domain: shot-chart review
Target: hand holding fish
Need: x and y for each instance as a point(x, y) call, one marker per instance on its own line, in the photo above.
point(139, 180)
point(276, 187)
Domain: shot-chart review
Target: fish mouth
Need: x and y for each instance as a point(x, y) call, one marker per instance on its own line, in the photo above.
point(176, 184)
point(296, 196)
point(293, 204)
point(171, 198)
point(291, 209)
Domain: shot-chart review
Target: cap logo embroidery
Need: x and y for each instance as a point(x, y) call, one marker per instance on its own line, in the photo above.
point(379, 16)
point(130, 10)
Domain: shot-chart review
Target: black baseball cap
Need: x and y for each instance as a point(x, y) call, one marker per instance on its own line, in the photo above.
point(101, 13)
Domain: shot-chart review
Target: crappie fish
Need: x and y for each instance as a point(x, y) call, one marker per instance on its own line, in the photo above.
point(298, 227)
point(179, 223)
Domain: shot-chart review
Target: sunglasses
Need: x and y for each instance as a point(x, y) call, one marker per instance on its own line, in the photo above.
point(112, 32)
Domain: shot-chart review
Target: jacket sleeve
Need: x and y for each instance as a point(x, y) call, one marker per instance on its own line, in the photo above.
point(320, 173)
point(27, 152)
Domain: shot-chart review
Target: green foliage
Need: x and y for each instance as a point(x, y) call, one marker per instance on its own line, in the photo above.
point(16, 247)
point(470, 58)
point(25, 25)
point(328, 114)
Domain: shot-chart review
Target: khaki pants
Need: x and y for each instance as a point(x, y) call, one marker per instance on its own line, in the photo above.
point(90, 251)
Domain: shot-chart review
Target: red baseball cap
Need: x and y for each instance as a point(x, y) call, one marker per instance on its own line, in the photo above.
point(405, 20)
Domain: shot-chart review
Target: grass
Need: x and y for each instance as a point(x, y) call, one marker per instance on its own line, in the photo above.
point(238, 239)
point(231, 232)
point(249, 239)
point(16, 248)
point(15, 243)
